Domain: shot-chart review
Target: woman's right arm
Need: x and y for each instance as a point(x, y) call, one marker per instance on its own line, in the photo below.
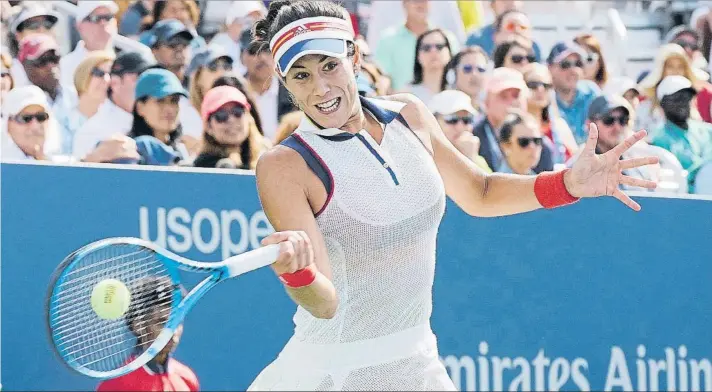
point(283, 182)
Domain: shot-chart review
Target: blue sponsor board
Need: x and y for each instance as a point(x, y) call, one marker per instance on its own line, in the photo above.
point(588, 297)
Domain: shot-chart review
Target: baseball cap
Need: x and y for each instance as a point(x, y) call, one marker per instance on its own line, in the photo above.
point(163, 31)
point(451, 101)
point(241, 9)
point(85, 8)
point(31, 10)
point(21, 97)
point(621, 85)
point(132, 62)
point(604, 104)
point(672, 84)
point(35, 45)
point(158, 83)
point(503, 78)
point(219, 96)
point(206, 56)
point(562, 50)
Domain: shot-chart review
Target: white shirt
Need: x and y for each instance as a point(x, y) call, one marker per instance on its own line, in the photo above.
point(108, 120)
point(19, 76)
point(190, 119)
point(11, 151)
point(69, 62)
point(267, 106)
point(232, 48)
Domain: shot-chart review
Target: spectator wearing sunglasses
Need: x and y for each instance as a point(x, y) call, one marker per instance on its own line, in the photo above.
point(521, 142)
point(156, 124)
point(91, 81)
point(231, 139)
point(467, 72)
point(594, 68)
point(433, 53)
point(484, 36)
point(237, 81)
point(516, 53)
point(396, 49)
point(6, 81)
point(38, 54)
point(114, 116)
point(573, 93)
point(25, 126)
point(689, 40)
point(613, 115)
point(514, 24)
point(29, 18)
point(96, 24)
point(689, 139)
point(456, 116)
point(542, 106)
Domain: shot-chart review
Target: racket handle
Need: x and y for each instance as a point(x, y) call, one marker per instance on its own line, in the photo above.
point(301, 278)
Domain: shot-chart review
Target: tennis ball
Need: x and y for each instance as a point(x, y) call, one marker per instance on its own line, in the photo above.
point(110, 299)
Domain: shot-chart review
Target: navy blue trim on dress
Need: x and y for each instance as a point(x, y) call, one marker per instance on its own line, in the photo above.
point(315, 163)
point(384, 116)
point(379, 157)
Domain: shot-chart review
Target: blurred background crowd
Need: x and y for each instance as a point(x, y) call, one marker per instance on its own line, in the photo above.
point(513, 84)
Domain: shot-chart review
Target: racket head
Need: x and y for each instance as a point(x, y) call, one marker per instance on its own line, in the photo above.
point(103, 348)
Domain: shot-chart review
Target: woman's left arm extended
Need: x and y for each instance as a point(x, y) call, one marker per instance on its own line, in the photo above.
point(488, 195)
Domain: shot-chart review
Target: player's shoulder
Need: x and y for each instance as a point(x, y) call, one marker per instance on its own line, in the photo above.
point(280, 164)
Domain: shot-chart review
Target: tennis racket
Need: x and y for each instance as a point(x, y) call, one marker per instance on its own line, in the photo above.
point(108, 348)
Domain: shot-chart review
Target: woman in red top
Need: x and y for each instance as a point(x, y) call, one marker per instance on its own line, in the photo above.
point(543, 107)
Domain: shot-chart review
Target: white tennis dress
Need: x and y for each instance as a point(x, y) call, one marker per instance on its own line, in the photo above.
point(380, 225)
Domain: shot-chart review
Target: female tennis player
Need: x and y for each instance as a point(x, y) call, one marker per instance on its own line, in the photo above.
point(356, 195)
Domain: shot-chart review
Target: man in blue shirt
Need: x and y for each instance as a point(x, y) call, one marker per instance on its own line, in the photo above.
point(573, 94)
point(509, 19)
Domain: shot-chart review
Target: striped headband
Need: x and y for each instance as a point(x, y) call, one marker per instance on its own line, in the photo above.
point(319, 35)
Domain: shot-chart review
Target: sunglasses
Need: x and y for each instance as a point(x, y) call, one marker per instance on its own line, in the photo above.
point(469, 68)
point(178, 43)
point(518, 58)
point(27, 118)
point(99, 18)
point(34, 25)
point(429, 47)
point(219, 65)
point(44, 61)
point(566, 64)
point(98, 73)
point(514, 27)
point(453, 119)
point(222, 115)
point(533, 85)
point(610, 120)
point(5, 74)
point(688, 45)
point(525, 141)
point(592, 58)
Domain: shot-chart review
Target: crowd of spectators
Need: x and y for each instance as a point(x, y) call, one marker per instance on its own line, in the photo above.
point(208, 100)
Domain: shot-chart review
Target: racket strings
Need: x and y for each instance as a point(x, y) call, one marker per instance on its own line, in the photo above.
point(81, 337)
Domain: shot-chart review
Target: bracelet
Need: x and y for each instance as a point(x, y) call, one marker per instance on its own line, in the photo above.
point(551, 191)
point(301, 278)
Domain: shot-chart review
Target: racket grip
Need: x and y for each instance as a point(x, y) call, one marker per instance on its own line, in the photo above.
point(301, 278)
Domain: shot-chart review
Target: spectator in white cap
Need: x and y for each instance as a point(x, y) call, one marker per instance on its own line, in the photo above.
point(505, 90)
point(689, 139)
point(240, 16)
point(29, 18)
point(96, 24)
point(456, 116)
point(26, 125)
point(625, 87)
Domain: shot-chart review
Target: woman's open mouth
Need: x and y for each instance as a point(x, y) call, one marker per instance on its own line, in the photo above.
point(330, 106)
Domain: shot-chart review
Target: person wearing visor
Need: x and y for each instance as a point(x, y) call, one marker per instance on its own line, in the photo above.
point(31, 18)
point(689, 139)
point(231, 138)
point(156, 125)
point(356, 195)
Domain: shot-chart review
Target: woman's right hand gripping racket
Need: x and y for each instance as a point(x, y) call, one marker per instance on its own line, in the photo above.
point(114, 304)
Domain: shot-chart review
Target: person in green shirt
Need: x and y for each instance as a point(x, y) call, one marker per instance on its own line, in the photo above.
point(395, 52)
point(688, 139)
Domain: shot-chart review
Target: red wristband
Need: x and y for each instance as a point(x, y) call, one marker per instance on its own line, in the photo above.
point(550, 190)
point(301, 278)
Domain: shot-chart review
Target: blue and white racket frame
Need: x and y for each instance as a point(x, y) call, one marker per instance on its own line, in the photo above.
point(219, 271)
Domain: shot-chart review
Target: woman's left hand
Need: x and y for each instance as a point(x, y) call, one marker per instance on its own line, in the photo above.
point(594, 175)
